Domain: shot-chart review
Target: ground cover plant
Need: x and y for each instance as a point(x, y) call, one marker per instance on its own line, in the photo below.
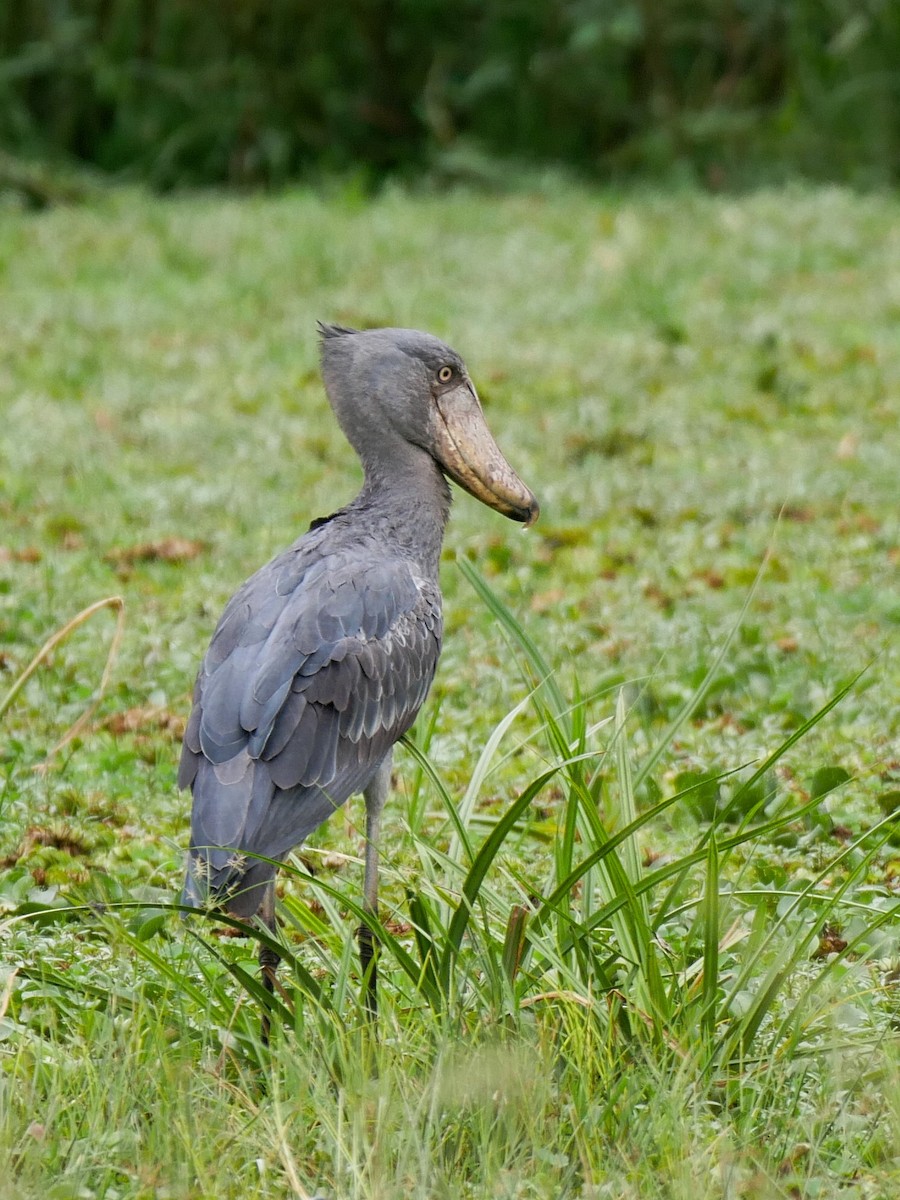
point(640, 904)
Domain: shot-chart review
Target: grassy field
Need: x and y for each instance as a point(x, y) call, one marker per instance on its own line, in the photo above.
point(705, 395)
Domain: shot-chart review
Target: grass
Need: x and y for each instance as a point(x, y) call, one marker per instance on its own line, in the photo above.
point(639, 934)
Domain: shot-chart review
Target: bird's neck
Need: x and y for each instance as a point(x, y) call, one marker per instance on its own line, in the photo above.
point(407, 499)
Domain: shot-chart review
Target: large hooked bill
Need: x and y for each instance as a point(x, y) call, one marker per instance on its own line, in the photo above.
point(470, 456)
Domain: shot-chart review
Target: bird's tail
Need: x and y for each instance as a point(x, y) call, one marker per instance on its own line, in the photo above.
point(216, 878)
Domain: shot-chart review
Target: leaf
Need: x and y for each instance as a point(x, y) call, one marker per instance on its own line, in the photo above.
point(703, 793)
point(826, 780)
point(710, 941)
point(514, 941)
point(147, 923)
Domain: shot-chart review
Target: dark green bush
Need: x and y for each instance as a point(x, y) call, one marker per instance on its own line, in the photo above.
point(262, 91)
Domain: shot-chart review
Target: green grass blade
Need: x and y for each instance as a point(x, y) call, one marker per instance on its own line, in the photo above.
point(483, 859)
point(514, 941)
point(425, 942)
point(460, 839)
point(693, 700)
point(269, 1003)
point(385, 938)
point(627, 807)
point(460, 832)
point(541, 669)
point(711, 925)
point(743, 1029)
point(770, 761)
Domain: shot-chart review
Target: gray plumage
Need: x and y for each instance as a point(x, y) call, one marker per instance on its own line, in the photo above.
point(322, 659)
point(319, 664)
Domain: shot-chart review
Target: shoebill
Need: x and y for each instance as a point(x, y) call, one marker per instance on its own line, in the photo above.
point(323, 658)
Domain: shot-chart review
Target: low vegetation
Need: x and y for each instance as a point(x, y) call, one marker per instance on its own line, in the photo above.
point(639, 930)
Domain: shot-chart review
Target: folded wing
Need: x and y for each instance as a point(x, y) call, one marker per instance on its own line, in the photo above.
point(315, 670)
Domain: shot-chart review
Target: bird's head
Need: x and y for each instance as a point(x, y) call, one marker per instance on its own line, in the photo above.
point(385, 383)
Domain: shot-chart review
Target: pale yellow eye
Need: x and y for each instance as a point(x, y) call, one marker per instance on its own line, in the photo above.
point(445, 374)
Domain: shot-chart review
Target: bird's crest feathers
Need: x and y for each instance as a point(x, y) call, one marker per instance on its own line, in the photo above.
point(327, 331)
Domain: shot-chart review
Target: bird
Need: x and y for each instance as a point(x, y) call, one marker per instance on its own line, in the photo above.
point(322, 659)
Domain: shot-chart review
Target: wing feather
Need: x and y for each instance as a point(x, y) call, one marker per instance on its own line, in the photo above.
point(319, 664)
point(321, 766)
point(283, 728)
point(288, 767)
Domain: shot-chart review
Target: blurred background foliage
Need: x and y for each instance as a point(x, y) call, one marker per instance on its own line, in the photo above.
point(259, 92)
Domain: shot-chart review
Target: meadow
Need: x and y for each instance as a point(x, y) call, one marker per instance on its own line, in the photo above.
point(640, 868)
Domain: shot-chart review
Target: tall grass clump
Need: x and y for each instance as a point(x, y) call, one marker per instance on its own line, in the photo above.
point(617, 1004)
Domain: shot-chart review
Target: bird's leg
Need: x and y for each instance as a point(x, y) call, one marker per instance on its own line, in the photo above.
point(268, 958)
point(375, 797)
